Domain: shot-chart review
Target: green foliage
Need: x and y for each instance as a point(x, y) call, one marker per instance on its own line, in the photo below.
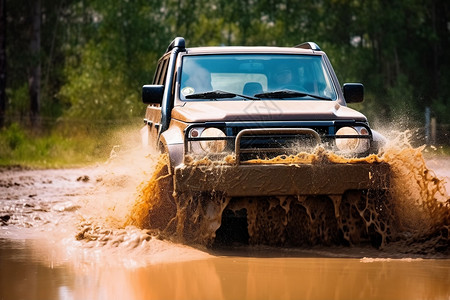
point(98, 90)
point(441, 109)
point(104, 82)
point(14, 136)
point(96, 55)
point(19, 100)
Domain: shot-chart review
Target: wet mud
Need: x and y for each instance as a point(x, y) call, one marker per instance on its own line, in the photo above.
point(413, 216)
point(117, 231)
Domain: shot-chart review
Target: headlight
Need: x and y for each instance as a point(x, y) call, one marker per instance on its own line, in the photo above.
point(215, 146)
point(356, 145)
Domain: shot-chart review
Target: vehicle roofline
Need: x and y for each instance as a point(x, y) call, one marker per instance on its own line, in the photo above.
point(250, 50)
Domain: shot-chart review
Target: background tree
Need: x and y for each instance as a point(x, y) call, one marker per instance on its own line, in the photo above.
point(34, 75)
point(2, 62)
point(95, 55)
point(125, 42)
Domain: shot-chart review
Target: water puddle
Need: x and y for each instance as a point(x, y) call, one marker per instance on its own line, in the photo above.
point(36, 271)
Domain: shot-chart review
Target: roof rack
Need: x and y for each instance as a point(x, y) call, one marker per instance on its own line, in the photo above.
point(309, 45)
point(178, 42)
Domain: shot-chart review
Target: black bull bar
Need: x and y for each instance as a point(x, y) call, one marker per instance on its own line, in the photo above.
point(259, 179)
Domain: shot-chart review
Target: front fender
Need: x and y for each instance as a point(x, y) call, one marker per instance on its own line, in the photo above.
point(175, 152)
point(171, 141)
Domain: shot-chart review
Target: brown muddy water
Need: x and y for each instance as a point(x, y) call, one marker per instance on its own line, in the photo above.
point(80, 234)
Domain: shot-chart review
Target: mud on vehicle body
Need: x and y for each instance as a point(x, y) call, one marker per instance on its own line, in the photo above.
point(233, 121)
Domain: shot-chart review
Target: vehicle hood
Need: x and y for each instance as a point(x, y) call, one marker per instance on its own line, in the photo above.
point(265, 110)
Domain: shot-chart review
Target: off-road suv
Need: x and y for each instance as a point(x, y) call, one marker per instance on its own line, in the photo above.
point(253, 109)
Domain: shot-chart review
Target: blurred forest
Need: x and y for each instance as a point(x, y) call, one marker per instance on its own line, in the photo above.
point(85, 61)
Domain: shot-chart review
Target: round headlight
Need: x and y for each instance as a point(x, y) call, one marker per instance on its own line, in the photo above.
point(214, 146)
point(347, 144)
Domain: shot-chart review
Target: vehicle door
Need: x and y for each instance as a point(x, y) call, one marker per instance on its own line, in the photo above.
point(153, 111)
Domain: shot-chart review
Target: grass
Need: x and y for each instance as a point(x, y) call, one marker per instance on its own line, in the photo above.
point(62, 147)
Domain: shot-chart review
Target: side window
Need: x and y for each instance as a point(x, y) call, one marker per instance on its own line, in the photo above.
point(161, 72)
point(162, 77)
point(158, 71)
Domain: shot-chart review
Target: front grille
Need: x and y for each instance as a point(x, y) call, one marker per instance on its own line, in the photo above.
point(260, 142)
point(270, 142)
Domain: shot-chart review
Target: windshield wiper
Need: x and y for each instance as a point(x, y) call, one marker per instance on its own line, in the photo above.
point(218, 94)
point(282, 94)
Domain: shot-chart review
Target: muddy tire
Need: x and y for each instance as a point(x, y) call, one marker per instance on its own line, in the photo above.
point(312, 222)
point(365, 217)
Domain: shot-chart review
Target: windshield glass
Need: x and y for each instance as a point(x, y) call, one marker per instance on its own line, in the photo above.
point(264, 76)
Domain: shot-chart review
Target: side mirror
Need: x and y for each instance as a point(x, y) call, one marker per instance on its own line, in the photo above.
point(353, 92)
point(152, 94)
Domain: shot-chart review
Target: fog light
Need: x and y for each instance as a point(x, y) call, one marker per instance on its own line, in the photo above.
point(194, 133)
point(363, 131)
point(213, 146)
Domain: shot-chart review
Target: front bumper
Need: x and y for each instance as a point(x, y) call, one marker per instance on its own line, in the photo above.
point(281, 179)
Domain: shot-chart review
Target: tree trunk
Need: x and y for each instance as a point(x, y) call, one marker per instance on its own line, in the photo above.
point(34, 77)
point(2, 62)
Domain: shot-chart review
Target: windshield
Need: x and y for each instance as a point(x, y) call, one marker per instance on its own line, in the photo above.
point(255, 77)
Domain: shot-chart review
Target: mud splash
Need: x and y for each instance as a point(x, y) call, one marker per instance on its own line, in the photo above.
point(413, 217)
point(421, 202)
point(106, 218)
point(182, 219)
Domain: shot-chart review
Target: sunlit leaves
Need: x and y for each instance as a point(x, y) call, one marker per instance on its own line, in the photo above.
point(97, 54)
